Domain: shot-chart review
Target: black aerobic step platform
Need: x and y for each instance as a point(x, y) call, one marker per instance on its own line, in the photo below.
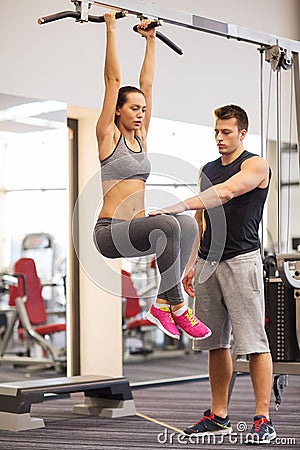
point(104, 396)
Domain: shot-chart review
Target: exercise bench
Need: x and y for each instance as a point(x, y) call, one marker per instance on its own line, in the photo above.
point(104, 397)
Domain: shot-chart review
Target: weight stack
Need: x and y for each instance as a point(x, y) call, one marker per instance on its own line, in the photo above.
point(281, 320)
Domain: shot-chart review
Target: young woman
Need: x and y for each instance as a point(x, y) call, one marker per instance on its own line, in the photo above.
point(122, 229)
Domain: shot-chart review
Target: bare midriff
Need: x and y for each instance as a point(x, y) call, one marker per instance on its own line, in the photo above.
point(123, 199)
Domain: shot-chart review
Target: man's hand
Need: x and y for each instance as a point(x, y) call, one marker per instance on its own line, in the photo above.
point(187, 282)
point(157, 212)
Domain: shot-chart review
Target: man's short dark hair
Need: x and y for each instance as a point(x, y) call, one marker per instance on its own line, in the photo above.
point(233, 112)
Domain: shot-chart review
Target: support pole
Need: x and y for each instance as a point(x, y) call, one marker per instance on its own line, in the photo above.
point(262, 143)
point(278, 153)
point(297, 99)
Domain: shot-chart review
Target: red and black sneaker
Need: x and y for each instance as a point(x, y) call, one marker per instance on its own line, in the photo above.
point(210, 424)
point(262, 431)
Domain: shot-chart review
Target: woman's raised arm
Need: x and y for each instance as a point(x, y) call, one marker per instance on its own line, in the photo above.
point(147, 71)
point(105, 125)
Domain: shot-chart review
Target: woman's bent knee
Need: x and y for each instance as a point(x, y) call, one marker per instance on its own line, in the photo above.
point(187, 224)
point(167, 224)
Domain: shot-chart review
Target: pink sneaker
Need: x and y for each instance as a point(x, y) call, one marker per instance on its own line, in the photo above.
point(163, 318)
point(192, 326)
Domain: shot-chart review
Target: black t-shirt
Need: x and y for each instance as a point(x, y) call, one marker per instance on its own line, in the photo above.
point(230, 229)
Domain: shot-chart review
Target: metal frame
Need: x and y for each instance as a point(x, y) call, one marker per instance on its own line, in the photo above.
point(297, 97)
point(189, 20)
point(19, 312)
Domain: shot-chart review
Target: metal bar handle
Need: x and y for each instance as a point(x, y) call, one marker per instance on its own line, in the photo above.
point(59, 16)
point(76, 15)
point(169, 43)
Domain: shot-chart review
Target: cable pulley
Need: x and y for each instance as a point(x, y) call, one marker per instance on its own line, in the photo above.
point(278, 58)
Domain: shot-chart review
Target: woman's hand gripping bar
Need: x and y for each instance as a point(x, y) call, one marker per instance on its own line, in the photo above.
point(161, 36)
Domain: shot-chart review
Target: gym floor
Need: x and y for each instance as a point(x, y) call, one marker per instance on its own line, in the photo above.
point(156, 366)
point(162, 411)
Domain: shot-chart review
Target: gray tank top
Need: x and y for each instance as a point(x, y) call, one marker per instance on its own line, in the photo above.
point(125, 164)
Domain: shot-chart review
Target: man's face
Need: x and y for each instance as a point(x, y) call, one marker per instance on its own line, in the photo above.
point(227, 136)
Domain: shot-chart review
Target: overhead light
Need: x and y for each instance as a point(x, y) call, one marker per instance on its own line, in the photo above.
point(22, 113)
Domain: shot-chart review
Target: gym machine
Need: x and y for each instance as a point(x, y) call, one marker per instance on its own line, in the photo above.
point(282, 298)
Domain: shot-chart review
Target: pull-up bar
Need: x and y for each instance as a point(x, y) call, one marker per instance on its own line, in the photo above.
point(81, 15)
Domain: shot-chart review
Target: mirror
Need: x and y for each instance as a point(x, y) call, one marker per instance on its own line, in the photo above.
point(34, 226)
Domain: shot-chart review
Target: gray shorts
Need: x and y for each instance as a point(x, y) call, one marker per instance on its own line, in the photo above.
point(229, 299)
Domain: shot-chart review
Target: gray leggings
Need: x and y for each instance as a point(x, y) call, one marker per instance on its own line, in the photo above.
point(170, 238)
